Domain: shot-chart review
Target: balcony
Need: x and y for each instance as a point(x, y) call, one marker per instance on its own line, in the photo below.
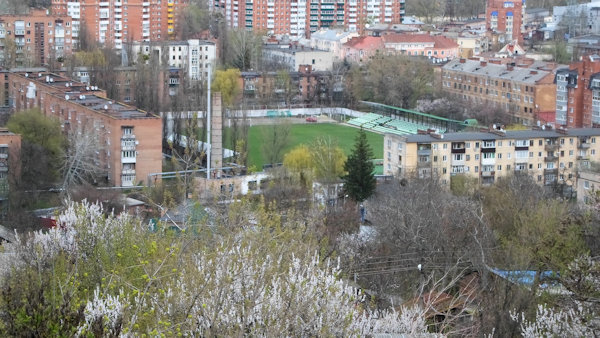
point(551, 171)
point(424, 164)
point(584, 145)
point(130, 159)
point(488, 161)
point(488, 173)
point(583, 157)
point(3, 155)
point(551, 158)
point(551, 147)
point(423, 152)
point(128, 172)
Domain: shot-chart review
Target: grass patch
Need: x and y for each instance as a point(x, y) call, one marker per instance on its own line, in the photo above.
point(305, 134)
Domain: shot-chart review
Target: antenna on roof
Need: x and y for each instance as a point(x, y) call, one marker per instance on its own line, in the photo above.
point(105, 107)
point(67, 97)
point(26, 74)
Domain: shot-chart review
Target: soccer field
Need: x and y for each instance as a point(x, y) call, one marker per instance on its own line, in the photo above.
point(305, 134)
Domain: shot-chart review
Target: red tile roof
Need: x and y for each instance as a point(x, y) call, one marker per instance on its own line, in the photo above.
point(365, 42)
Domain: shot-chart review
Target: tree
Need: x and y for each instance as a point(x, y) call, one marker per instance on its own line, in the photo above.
point(276, 137)
point(41, 149)
point(360, 181)
point(328, 159)
point(227, 83)
point(243, 49)
point(80, 163)
point(257, 274)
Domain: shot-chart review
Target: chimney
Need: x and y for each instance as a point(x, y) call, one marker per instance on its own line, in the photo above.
point(509, 67)
point(463, 60)
point(533, 72)
point(483, 63)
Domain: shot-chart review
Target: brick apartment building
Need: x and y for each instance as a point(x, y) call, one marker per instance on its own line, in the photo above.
point(130, 139)
point(504, 20)
point(114, 22)
point(578, 93)
point(299, 18)
point(10, 164)
point(305, 86)
point(549, 156)
point(40, 37)
point(523, 90)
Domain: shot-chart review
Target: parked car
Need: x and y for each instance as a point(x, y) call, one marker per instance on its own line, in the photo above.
point(311, 119)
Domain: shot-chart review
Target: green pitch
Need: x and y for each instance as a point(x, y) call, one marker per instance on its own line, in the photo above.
point(305, 134)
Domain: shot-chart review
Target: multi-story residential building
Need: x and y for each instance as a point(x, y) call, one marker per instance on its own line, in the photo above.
point(305, 86)
point(129, 140)
point(578, 93)
point(299, 18)
point(10, 164)
point(435, 47)
point(505, 18)
point(39, 38)
point(549, 156)
point(588, 185)
point(578, 18)
point(113, 22)
point(193, 56)
point(521, 90)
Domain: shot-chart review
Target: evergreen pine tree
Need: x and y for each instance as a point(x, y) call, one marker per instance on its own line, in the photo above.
point(360, 182)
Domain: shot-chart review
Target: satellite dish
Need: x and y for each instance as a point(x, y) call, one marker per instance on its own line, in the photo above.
point(26, 74)
point(67, 97)
point(105, 107)
point(87, 88)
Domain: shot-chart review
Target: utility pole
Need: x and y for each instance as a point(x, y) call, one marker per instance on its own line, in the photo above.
point(208, 108)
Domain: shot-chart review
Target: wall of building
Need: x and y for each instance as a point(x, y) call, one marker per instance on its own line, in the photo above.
point(549, 157)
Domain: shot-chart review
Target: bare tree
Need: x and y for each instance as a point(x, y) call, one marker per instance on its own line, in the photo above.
point(81, 162)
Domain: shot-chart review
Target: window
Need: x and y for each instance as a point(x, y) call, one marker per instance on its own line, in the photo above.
point(445, 146)
point(499, 167)
point(476, 157)
point(444, 158)
point(586, 184)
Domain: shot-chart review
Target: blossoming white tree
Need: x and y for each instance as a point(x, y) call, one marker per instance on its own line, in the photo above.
point(110, 276)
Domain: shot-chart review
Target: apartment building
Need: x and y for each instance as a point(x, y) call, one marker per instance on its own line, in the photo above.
point(549, 156)
point(129, 139)
point(10, 164)
point(39, 38)
point(114, 22)
point(505, 19)
point(305, 86)
point(588, 184)
point(300, 18)
point(193, 56)
point(521, 89)
point(578, 93)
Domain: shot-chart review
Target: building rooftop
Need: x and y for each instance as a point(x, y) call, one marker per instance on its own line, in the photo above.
point(59, 83)
point(364, 42)
point(330, 34)
point(108, 107)
point(437, 40)
point(527, 75)
point(510, 134)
